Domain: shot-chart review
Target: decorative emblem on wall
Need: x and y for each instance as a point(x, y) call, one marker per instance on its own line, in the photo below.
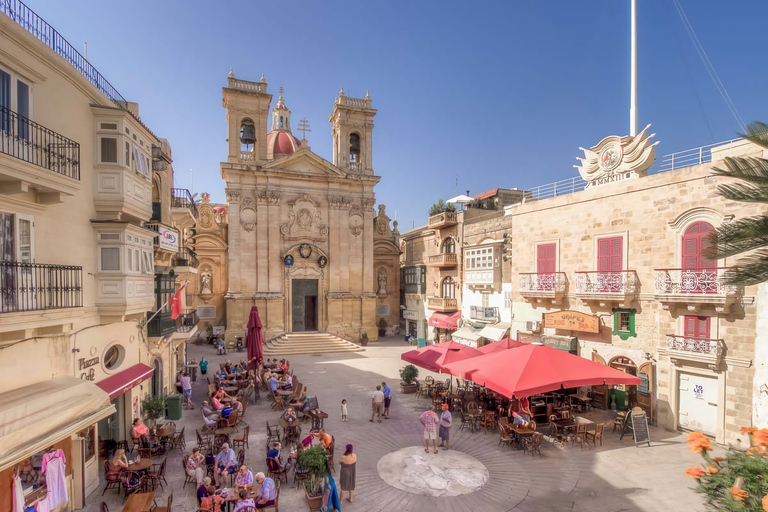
point(305, 250)
point(248, 214)
point(356, 223)
point(322, 261)
point(288, 260)
point(304, 220)
point(617, 158)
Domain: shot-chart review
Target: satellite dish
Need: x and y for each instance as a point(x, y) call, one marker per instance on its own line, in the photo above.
point(460, 322)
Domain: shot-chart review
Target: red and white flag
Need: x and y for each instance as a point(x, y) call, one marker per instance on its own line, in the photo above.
point(175, 303)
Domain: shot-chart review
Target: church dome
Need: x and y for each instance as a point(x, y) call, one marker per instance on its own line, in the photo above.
point(282, 143)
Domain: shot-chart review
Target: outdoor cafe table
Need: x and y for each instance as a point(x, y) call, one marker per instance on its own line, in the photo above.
point(231, 389)
point(317, 418)
point(570, 423)
point(519, 431)
point(285, 392)
point(139, 502)
point(285, 423)
point(583, 399)
point(142, 465)
point(193, 371)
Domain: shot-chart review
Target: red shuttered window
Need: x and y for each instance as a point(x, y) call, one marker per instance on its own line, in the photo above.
point(545, 258)
point(696, 327)
point(610, 254)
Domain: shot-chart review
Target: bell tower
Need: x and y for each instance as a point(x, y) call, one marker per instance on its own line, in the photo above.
point(352, 121)
point(281, 116)
point(247, 105)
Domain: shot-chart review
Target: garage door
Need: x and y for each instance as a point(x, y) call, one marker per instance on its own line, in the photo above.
point(697, 399)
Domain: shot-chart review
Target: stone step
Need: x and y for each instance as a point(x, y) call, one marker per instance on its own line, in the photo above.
point(308, 343)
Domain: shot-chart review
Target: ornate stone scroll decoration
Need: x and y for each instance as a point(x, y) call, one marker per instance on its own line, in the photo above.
point(268, 197)
point(233, 195)
point(206, 217)
point(304, 220)
point(248, 213)
point(617, 158)
point(338, 203)
point(368, 204)
point(381, 225)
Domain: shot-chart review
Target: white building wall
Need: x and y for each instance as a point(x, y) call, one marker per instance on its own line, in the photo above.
point(760, 381)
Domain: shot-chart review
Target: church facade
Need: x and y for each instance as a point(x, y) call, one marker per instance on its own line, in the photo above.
point(301, 229)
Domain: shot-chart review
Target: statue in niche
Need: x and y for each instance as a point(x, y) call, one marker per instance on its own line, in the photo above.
point(382, 282)
point(206, 283)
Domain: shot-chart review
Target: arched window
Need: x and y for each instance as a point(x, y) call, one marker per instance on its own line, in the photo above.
point(696, 246)
point(449, 288)
point(449, 246)
point(354, 147)
point(281, 122)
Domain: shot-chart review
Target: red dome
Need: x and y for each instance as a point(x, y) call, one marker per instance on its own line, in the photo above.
point(282, 143)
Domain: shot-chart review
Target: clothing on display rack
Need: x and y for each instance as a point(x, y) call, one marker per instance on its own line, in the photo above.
point(54, 467)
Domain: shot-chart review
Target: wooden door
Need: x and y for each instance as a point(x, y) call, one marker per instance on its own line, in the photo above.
point(610, 260)
point(599, 393)
point(310, 312)
point(546, 264)
point(646, 389)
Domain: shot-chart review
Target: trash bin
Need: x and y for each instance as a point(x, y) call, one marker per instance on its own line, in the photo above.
point(173, 407)
point(422, 342)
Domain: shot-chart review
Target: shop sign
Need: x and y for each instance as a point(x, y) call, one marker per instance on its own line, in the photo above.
point(572, 321)
point(523, 337)
point(410, 315)
point(86, 364)
point(168, 239)
point(206, 312)
point(219, 330)
point(644, 388)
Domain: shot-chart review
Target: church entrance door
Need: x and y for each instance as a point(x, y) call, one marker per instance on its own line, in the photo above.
point(304, 305)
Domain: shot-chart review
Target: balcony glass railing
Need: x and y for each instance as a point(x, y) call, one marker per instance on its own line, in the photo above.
point(39, 286)
point(26, 140)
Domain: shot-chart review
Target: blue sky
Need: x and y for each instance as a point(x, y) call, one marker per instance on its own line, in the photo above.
point(471, 95)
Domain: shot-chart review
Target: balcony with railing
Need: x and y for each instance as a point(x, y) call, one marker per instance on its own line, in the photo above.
point(161, 325)
point(39, 287)
point(691, 348)
point(445, 260)
point(186, 261)
point(443, 220)
point(182, 198)
point(607, 288)
point(442, 304)
point(695, 288)
point(41, 158)
point(544, 287)
point(186, 325)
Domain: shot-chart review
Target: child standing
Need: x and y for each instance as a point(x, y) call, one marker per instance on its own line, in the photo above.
point(344, 410)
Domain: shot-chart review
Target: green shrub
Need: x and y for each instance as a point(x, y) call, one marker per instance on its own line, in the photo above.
point(408, 374)
point(315, 461)
point(153, 407)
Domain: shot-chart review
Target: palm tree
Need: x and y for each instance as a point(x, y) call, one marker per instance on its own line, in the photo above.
point(748, 236)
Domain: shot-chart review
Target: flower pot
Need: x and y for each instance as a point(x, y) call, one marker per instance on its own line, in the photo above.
point(364, 342)
point(314, 502)
point(409, 388)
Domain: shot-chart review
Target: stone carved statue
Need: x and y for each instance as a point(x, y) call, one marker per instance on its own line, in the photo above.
point(382, 282)
point(206, 283)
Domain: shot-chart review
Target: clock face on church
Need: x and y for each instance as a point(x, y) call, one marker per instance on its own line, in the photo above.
point(355, 221)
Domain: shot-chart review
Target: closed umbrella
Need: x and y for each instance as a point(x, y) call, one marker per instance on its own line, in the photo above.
point(533, 369)
point(254, 339)
point(504, 344)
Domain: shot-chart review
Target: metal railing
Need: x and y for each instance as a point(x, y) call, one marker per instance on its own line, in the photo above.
point(689, 157)
point(182, 198)
point(713, 347)
point(624, 282)
point(558, 188)
point(26, 140)
point(444, 259)
point(38, 27)
point(696, 281)
point(441, 304)
point(545, 282)
point(187, 322)
point(39, 286)
point(443, 218)
point(186, 258)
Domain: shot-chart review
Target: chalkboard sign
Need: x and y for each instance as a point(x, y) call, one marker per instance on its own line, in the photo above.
point(640, 428)
point(312, 404)
point(644, 387)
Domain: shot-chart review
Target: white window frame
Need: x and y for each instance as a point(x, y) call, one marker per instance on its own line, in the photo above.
point(15, 77)
point(117, 149)
point(119, 259)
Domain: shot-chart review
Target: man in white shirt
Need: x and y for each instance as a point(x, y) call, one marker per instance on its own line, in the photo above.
point(377, 403)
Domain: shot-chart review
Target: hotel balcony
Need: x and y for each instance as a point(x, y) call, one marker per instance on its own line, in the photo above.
point(443, 220)
point(441, 304)
point(548, 287)
point(693, 289)
point(608, 288)
point(443, 260)
point(37, 160)
point(689, 348)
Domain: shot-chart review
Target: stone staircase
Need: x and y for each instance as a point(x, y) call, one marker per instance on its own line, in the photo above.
point(308, 343)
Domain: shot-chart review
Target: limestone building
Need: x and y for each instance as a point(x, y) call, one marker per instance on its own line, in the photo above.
point(301, 229)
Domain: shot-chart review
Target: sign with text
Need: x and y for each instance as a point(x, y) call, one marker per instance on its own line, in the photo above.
point(382, 309)
point(572, 321)
point(219, 330)
point(410, 315)
point(206, 312)
point(168, 239)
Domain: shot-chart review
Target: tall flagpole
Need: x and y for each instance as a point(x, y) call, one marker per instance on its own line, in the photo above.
point(633, 72)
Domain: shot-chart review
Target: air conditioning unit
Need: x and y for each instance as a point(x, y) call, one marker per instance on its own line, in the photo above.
point(533, 326)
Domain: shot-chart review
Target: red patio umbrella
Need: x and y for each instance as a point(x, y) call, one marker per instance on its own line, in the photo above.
point(254, 339)
point(435, 357)
point(533, 369)
point(504, 344)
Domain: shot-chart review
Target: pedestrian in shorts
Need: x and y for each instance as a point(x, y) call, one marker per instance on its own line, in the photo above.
point(377, 403)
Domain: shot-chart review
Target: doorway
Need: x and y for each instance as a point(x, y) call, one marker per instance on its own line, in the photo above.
point(697, 403)
point(304, 305)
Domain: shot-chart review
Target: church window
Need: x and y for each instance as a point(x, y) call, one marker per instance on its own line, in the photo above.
point(354, 147)
point(281, 121)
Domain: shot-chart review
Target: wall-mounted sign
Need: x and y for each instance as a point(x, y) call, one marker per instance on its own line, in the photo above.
point(382, 309)
point(617, 158)
point(219, 330)
point(524, 337)
point(410, 315)
point(206, 312)
point(168, 239)
point(572, 321)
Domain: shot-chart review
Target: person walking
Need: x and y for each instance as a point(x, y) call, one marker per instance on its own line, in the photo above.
point(387, 398)
point(377, 403)
point(429, 420)
point(347, 473)
point(186, 388)
point(446, 419)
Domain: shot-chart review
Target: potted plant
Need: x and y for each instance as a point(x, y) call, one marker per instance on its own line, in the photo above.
point(313, 461)
point(153, 408)
point(408, 375)
point(364, 339)
point(383, 327)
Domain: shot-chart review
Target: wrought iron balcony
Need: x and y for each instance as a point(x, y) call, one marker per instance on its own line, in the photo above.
point(608, 287)
point(694, 288)
point(549, 286)
point(691, 348)
point(441, 304)
point(186, 258)
point(26, 140)
point(443, 260)
point(443, 220)
point(182, 198)
point(39, 286)
point(187, 322)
